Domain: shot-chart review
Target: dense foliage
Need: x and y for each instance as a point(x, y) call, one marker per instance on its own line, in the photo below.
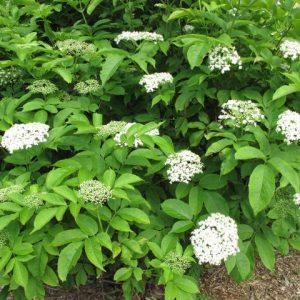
point(142, 141)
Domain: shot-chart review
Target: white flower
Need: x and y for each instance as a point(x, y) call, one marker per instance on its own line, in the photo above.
point(74, 47)
point(240, 113)
point(290, 49)
point(33, 201)
point(24, 136)
point(86, 87)
point(177, 263)
point(188, 28)
point(111, 128)
point(183, 166)
point(3, 238)
point(153, 81)
point(233, 11)
point(9, 76)
point(42, 86)
point(138, 36)
point(137, 141)
point(160, 5)
point(222, 58)
point(215, 239)
point(288, 124)
point(5, 192)
point(297, 199)
point(95, 192)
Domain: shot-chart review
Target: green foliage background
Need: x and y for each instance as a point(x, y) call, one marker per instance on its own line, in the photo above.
point(249, 174)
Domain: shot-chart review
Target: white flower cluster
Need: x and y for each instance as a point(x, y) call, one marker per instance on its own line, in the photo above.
point(296, 199)
point(222, 58)
point(33, 201)
point(112, 128)
point(188, 28)
point(42, 86)
point(288, 124)
point(215, 239)
point(290, 49)
point(137, 141)
point(86, 87)
point(9, 76)
point(240, 113)
point(5, 192)
point(138, 36)
point(177, 263)
point(95, 192)
point(153, 81)
point(183, 166)
point(160, 5)
point(24, 136)
point(74, 47)
point(3, 238)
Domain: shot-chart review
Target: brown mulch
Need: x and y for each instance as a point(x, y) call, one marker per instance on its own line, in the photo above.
point(283, 284)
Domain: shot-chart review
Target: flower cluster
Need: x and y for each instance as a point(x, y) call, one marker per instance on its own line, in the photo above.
point(288, 124)
point(95, 192)
point(42, 86)
point(290, 49)
point(240, 113)
point(86, 87)
point(222, 58)
point(24, 136)
point(153, 81)
point(177, 263)
point(9, 76)
point(112, 128)
point(215, 239)
point(160, 5)
point(5, 192)
point(74, 47)
point(188, 28)
point(33, 201)
point(3, 238)
point(296, 199)
point(138, 36)
point(183, 166)
point(137, 141)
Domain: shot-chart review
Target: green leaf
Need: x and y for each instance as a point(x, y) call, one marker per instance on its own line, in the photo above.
point(249, 152)
point(218, 146)
point(196, 200)
point(261, 187)
point(110, 66)
point(243, 265)
point(286, 171)
point(187, 284)
point(123, 274)
point(68, 236)
point(182, 226)
point(245, 231)
point(92, 5)
point(50, 277)
point(55, 177)
point(265, 251)
point(5, 220)
point(20, 274)
point(214, 202)
point(285, 90)
point(126, 180)
point(68, 258)
point(66, 192)
point(212, 181)
point(65, 74)
point(109, 177)
point(119, 224)
point(44, 217)
point(87, 224)
point(177, 209)
point(93, 253)
point(134, 214)
point(170, 291)
point(155, 250)
point(196, 53)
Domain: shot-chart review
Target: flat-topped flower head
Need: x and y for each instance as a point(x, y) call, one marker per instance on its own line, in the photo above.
point(33, 201)
point(112, 128)
point(74, 47)
point(95, 192)
point(138, 36)
point(24, 136)
point(290, 49)
point(239, 113)
point(9, 76)
point(5, 192)
point(86, 87)
point(177, 263)
point(222, 58)
point(288, 125)
point(137, 141)
point(215, 239)
point(183, 166)
point(153, 81)
point(42, 86)
point(296, 199)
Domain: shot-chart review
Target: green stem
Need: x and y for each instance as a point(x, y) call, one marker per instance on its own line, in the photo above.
point(98, 217)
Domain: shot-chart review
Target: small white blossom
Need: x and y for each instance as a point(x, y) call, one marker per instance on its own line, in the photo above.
point(138, 36)
point(288, 124)
point(153, 81)
point(33, 201)
point(24, 136)
point(222, 58)
point(112, 128)
point(188, 28)
point(74, 47)
point(5, 192)
point(3, 238)
point(240, 113)
point(290, 49)
point(95, 192)
point(183, 166)
point(177, 263)
point(160, 5)
point(215, 239)
point(233, 11)
point(296, 199)
point(42, 86)
point(86, 87)
point(137, 141)
point(9, 76)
